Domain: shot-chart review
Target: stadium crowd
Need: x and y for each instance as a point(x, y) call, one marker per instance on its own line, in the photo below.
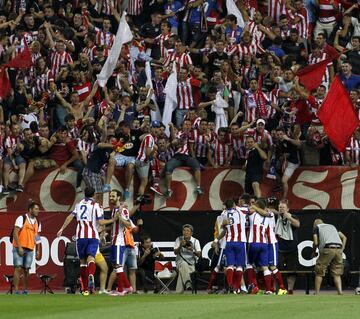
point(240, 98)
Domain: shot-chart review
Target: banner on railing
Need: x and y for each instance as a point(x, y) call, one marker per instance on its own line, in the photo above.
point(309, 188)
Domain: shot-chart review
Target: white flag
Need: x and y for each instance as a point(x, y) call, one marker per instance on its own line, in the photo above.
point(155, 115)
point(170, 99)
point(123, 35)
point(233, 9)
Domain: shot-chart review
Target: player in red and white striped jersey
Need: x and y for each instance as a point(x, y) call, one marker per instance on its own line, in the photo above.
point(258, 245)
point(220, 152)
point(122, 221)
point(273, 250)
point(234, 221)
point(352, 154)
point(89, 214)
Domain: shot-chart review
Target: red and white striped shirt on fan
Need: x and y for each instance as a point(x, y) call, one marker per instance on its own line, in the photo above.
point(221, 152)
point(42, 82)
point(354, 149)
point(90, 52)
point(257, 229)
point(275, 9)
point(184, 94)
point(160, 40)
point(85, 146)
point(104, 38)
point(183, 138)
point(200, 143)
point(135, 7)
point(58, 60)
point(258, 137)
point(243, 49)
point(303, 25)
point(313, 60)
point(238, 145)
point(147, 142)
point(181, 60)
point(327, 13)
point(11, 142)
point(235, 232)
point(257, 34)
point(87, 213)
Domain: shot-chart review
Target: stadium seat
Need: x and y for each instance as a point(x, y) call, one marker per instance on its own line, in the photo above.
point(165, 275)
point(45, 279)
point(9, 279)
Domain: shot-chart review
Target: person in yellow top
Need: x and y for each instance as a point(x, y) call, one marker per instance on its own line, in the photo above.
point(25, 237)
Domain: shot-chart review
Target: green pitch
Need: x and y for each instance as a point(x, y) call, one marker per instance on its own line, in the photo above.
point(175, 306)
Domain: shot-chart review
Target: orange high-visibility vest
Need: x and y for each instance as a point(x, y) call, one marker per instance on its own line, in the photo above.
point(27, 234)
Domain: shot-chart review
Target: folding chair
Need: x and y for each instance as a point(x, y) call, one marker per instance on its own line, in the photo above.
point(165, 275)
point(45, 279)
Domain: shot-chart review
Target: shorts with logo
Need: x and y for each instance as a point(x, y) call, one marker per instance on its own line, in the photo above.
point(130, 258)
point(24, 261)
point(258, 254)
point(235, 253)
point(122, 160)
point(117, 254)
point(87, 247)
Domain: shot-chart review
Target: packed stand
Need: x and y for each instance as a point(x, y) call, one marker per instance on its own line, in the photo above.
point(239, 97)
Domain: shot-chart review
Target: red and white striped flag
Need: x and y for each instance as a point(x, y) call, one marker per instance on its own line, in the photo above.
point(123, 35)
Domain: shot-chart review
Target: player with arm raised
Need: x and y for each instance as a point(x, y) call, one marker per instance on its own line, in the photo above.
point(88, 214)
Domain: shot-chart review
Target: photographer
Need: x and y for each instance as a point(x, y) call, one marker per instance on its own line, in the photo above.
point(187, 250)
point(148, 253)
point(286, 233)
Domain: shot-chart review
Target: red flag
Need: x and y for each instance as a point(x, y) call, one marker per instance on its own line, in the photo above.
point(311, 76)
point(338, 115)
point(5, 86)
point(331, 52)
point(22, 60)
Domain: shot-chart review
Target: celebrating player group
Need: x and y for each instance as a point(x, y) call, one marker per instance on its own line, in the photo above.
point(246, 236)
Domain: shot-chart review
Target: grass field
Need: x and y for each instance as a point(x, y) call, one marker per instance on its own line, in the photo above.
point(183, 306)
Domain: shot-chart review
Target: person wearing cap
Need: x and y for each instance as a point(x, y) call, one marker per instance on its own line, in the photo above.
point(331, 244)
point(145, 156)
point(187, 250)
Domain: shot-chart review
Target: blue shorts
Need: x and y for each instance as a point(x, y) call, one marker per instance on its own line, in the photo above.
point(18, 160)
point(130, 258)
point(117, 254)
point(24, 261)
point(235, 253)
point(87, 247)
point(273, 251)
point(258, 254)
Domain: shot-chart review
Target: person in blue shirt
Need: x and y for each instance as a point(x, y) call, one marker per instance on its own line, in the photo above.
point(350, 81)
point(233, 31)
point(171, 8)
point(276, 48)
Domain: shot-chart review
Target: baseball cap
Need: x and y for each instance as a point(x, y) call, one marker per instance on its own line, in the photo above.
point(155, 124)
point(260, 121)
